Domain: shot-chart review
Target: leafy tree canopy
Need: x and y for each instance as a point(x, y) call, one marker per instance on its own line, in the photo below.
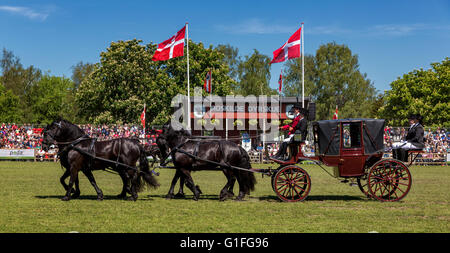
point(420, 91)
point(126, 78)
point(332, 78)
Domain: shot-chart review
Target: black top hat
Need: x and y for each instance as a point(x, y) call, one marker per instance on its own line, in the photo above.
point(299, 107)
point(296, 106)
point(416, 117)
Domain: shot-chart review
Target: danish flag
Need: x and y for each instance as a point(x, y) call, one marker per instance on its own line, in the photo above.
point(171, 48)
point(336, 116)
point(207, 84)
point(290, 49)
point(143, 117)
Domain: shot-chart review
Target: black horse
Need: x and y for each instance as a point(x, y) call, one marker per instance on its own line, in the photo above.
point(191, 155)
point(78, 152)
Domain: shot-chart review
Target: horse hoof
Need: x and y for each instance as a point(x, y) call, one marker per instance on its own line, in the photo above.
point(179, 196)
point(121, 196)
point(65, 198)
point(169, 196)
point(198, 189)
point(239, 198)
point(100, 198)
point(75, 195)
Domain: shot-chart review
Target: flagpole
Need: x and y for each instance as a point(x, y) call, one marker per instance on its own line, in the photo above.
point(145, 136)
point(303, 67)
point(279, 96)
point(188, 86)
point(210, 91)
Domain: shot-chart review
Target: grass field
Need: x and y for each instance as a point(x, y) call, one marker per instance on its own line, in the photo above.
point(30, 202)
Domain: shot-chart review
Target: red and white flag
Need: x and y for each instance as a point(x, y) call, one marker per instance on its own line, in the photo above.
point(290, 49)
point(335, 116)
point(171, 48)
point(143, 118)
point(207, 84)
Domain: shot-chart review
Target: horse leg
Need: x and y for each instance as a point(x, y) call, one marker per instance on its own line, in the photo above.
point(242, 191)
point(72, 180)
point(180, 193)
point(134, 183)
point(91, 178)
point(190, 184)
point(227, 190)
point(231, 186)
point(177, 175)
point(63, 178)
point(77, 192)
point(125, 187)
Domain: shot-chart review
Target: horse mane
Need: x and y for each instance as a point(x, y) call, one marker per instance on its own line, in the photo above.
point(72, 126)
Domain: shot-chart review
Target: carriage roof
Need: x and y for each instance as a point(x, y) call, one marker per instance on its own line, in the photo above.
point(328, 135)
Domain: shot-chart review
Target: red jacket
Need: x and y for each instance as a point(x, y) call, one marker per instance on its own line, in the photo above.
point(294, 124)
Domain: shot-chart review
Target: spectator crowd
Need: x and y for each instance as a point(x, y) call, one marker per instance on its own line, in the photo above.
point(13, 136)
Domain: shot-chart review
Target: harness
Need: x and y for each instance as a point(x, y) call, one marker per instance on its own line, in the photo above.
point(195, 156)
point(91, 153)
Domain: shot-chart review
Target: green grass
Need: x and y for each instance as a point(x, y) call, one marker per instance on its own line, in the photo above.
point(30, 202)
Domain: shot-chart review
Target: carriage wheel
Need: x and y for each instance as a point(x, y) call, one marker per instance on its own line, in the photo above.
point(291, 183)
point(389, 180)
point(362, 184)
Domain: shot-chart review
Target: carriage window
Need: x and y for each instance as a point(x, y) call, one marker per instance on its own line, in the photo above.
point(351, 133)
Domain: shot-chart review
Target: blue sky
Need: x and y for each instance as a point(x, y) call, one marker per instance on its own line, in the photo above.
point(391, 38)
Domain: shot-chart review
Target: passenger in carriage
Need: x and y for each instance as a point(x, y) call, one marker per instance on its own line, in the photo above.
point(414, 139)
point(299, 123)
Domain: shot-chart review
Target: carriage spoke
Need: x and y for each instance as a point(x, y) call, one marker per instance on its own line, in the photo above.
point(389, 180)
point(292, 184)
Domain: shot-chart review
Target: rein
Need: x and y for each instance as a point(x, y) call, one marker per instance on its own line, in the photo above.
point(72, 145)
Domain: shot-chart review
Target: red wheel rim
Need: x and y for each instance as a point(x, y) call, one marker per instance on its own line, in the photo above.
point(389, 180)
point(292, 184)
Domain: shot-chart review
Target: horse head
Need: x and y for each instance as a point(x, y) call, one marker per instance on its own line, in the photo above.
point(60, 130)
point(171, 137)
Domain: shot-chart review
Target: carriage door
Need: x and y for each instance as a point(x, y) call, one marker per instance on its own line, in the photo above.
point(352, 161)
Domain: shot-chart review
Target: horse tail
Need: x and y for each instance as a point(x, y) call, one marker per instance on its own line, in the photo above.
point(247, 177)
point(145, 175)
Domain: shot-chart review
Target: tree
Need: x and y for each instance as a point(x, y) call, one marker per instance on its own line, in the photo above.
point(80, 72)
point(254, 75)
point(126, 78)
point(231, 58)
point(9, 106)
point(19, 80)
point(51, 98)
point(332, 78)
point(292, 76)
point(420, 91)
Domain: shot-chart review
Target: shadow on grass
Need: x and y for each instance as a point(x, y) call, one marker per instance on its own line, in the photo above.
point(91, 197)
point(319, 198)
point(188, 197)
point(269, 198)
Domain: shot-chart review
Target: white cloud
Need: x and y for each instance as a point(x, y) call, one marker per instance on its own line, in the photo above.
point(256, 26)
point(406, 29)
point(25, 11)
